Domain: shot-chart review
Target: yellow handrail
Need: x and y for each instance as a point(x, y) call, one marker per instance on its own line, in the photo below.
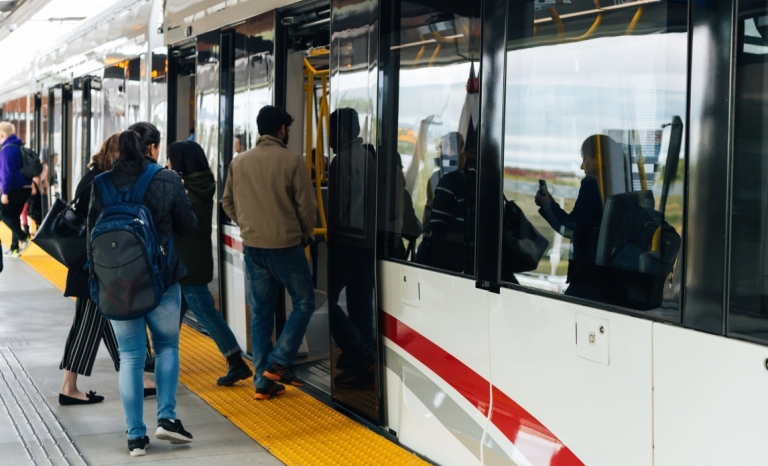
point(323, 125)
point(635, 20)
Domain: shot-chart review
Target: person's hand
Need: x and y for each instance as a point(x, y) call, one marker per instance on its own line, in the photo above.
point(5, 199)
point(543, 198)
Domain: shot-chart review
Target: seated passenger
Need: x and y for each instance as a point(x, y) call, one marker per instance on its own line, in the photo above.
point(582, 224)
point(447, 244)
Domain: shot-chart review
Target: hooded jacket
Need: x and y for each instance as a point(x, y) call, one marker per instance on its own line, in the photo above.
point(167, 202)
point(10, 164)
point(196, 249)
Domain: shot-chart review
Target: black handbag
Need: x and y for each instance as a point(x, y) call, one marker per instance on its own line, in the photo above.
point(63, 234)
point(522, 246)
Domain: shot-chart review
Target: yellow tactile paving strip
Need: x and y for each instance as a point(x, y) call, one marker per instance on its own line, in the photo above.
point(294, 427)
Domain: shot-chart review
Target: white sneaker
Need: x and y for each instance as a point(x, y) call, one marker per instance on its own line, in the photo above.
point(24, 245)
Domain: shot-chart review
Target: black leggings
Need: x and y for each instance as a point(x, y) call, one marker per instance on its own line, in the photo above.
point(11, 214)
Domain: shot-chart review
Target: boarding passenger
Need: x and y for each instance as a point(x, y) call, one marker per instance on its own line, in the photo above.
point(16, 188)
point(582, 224)
point(351, 241)
point(171, 213)
point(89, 327)
point(269, 194)
point(196, 250)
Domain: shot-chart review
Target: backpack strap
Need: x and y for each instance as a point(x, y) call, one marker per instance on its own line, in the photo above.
point(106, 188)
point(140, 187)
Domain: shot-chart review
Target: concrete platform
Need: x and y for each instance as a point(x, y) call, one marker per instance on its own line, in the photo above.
point(34, 321)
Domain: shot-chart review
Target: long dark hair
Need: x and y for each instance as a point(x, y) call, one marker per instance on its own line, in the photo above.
point(132, 157)
point(148, 133)
point(187, 157)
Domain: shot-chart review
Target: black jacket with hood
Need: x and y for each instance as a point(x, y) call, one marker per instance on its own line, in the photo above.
point(196, 249)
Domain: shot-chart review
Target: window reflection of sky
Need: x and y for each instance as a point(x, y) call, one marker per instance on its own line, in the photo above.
point(558, 95)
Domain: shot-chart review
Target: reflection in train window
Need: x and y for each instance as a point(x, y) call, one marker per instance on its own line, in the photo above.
point(429, 171)
point(593, 169)
point(748, 311)
point(253, 71)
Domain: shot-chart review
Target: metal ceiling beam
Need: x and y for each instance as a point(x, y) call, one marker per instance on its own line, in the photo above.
point(21, 11)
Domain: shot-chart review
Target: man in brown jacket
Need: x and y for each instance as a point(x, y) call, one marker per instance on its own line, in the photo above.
point(269, 195)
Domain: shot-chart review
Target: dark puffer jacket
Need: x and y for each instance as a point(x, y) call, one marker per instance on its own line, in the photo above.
point(169, 205)
point(196, 250)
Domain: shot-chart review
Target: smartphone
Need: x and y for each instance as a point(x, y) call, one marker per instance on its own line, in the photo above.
point(543, 187)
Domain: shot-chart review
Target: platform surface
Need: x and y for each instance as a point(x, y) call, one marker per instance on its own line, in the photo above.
point(229, 427)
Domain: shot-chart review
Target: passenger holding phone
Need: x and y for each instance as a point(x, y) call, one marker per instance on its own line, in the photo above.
point(582, 224)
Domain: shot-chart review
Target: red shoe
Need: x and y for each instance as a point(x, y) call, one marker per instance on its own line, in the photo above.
point(266, 393)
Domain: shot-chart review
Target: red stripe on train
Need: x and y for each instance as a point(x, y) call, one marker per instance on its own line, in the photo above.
point(536, 442)
point(232, 242)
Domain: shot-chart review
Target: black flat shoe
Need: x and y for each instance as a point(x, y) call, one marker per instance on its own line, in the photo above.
point(65, 400)
point(150, 392)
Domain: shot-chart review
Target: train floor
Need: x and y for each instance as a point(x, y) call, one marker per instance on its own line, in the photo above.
point(229, 427)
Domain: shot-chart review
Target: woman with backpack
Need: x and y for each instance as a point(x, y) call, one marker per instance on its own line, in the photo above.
point(188, 159)
point(168, 212)
point(88, 327)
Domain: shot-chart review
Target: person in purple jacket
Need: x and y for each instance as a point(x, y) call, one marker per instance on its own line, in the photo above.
point(16, 188)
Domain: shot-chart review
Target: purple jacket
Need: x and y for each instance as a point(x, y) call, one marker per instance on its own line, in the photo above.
point(10, 164)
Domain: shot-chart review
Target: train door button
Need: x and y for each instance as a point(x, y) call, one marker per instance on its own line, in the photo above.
point(592, 339)
point(410, 288)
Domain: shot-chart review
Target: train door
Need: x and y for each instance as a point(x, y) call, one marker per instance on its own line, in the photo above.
point(42, 118)
point(247, 85)
point(78, 145)
point(302, 88)
point(57, 129)
point(181, 92)
point(93, 126)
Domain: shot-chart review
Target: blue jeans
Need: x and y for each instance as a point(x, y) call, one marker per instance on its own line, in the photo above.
point(200, 301)
point(131, 336)
point(266, 270)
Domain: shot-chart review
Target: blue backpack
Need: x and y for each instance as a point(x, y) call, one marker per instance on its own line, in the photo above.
point(129, 270)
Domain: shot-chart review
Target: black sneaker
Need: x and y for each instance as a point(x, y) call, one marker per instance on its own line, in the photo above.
point(236, 372)
point(138, 446)
point(274, 389)
point(172, 431)
point(279, 373)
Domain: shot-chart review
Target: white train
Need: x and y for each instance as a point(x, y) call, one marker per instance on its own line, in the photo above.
point(628, 326)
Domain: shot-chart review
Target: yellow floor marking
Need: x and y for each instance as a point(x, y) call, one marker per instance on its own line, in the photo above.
point(296, 428)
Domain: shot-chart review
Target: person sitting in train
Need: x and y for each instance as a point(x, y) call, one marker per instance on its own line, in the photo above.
point(188, 158)
point(269, 194)
point(351, 241)
point(582, 224)
point(448, 239)
point(451, 150)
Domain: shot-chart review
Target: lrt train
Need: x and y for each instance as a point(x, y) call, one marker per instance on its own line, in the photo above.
point(553, 251)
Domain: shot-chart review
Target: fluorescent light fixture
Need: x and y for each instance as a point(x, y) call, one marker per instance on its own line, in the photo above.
point(413, 44)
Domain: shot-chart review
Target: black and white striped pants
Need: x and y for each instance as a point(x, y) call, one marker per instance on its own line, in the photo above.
point(88, 329)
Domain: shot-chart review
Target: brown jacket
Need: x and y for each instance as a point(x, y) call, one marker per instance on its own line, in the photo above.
point(269, 195)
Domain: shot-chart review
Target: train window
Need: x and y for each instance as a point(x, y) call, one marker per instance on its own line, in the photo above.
point(748, 310)
point(593, 169)
point(427, 172)
point(253, 78)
